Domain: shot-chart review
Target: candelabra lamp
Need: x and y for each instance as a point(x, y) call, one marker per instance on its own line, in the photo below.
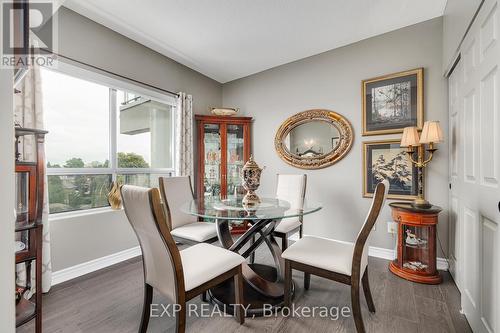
point(425, 145)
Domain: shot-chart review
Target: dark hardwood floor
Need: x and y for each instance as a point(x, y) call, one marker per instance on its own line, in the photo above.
point(110, 300)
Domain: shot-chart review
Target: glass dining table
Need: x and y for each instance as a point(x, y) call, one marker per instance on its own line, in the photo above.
point(264, 287)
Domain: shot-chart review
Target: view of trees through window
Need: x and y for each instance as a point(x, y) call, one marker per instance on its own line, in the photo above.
point(80, 167)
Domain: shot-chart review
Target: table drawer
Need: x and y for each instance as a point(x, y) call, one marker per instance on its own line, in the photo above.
point(409, 218)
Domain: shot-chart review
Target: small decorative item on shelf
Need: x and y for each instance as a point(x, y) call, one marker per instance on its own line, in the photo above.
point(415, 265)
point(22, 190)
point(412, 239)
point(224, 111)
point(114, 197)
point(19, 293)
point(431, 134)
point(20, 246)
point(250, 174)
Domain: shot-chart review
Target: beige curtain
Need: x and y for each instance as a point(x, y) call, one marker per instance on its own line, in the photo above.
point(184, 135)
point(28, 112)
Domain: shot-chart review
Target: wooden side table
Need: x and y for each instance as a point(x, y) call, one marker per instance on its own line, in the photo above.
point(416, 260)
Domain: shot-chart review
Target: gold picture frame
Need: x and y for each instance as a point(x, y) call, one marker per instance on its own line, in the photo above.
point(398, 186)
point(396, 87)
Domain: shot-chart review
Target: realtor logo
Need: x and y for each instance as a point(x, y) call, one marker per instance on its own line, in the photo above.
point(21, 42)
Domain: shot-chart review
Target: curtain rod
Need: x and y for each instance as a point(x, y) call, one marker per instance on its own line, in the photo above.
point(109, 72)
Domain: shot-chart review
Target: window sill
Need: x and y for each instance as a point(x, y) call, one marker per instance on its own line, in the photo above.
point(84, 212)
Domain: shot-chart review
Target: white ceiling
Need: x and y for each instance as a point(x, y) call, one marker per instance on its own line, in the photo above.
point(230, 39)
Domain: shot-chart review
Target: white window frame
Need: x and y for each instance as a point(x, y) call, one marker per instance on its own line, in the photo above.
point(113, 84)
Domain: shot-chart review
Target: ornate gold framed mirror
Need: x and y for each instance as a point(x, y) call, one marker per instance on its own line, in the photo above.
point(314, 139)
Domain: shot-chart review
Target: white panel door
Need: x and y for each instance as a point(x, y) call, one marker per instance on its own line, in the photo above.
point(474, 92)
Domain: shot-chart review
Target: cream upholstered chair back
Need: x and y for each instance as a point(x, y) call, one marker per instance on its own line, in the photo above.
point(292, 188)
point(379, 197)
point(175, 192)
point(159, 254)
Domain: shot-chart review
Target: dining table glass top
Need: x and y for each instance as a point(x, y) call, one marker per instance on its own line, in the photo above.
point(234, 209)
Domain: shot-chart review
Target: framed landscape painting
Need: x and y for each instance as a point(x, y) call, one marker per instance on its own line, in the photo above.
point(387, 160)
point(393, 102)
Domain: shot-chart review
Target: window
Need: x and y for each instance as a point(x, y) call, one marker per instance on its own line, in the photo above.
point(99, 132)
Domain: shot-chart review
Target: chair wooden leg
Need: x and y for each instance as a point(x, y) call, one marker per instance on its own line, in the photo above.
point(356, 307)
point(146, 308)
point(368, 294)
point(288, 284)
point(284, 242)
point(239, 301)
point(204, 297)
point(180, 318)
point(307, 280)
point(252, 256)
point(300, 231)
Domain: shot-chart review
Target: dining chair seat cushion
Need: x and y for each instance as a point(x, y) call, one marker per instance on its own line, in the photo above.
point(328, 254)
point(287, 225)
point(196, 231)
point(204, 262)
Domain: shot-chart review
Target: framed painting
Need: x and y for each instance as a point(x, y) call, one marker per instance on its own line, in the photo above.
point(387, 160)
point(393, 102)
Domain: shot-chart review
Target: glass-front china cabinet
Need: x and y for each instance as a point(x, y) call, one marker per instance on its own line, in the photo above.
point(416, 250)
point(223, 148)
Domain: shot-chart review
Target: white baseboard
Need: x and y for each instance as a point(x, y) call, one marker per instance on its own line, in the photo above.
point(388, 254)
point(442, 264)
point(94, 265)
point(380, 252)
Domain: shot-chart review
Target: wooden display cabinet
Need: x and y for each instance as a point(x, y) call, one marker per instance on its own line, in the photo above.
point(416, 260)
point(222, 150)
point(28, 226)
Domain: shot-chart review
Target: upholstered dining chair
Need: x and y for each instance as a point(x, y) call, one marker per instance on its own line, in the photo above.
point(178, 275)
point(291, 188)
point(335, 260)
point(186, 229)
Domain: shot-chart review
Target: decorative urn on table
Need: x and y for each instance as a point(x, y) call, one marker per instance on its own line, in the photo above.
point(250, 174)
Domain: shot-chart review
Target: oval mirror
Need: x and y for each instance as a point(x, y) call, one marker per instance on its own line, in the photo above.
point(314, 139)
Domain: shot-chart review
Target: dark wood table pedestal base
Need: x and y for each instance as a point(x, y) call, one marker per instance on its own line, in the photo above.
point(256, 303)
point(411, 276)
point(263, 287)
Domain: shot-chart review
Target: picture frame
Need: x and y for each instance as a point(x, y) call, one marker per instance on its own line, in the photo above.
point(403, 181)
point(392, 102)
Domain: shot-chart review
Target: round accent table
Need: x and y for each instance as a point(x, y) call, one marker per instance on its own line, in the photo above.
point(416, 260)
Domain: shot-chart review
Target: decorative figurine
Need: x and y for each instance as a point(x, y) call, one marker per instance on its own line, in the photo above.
point(412, 239)
point(250, 174)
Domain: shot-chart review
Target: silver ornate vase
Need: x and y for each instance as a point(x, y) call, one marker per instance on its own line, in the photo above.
point(250, 174)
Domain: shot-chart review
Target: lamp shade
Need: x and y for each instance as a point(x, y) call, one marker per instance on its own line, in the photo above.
point(410, 137)
point(431, 132)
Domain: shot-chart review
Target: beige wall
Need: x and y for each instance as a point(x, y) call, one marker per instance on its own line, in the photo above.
point(7, 309)
point(332, 80)
point(457, 17)
point(82, 238)
point(89, 236)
